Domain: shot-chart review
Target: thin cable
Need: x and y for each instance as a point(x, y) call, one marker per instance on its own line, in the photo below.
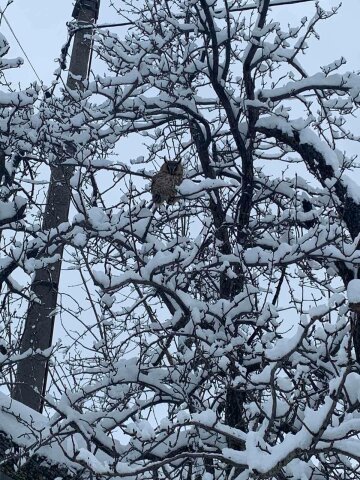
point(21, 47)
point(274, 3)
point(252, 6)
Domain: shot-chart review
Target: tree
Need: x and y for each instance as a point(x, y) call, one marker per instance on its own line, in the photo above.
point(18, 171)
point(214, 339)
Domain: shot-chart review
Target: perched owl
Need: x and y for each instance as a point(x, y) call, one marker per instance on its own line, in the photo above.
point(163, 183)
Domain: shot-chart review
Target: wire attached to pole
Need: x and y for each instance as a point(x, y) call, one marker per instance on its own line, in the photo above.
point(21, 47)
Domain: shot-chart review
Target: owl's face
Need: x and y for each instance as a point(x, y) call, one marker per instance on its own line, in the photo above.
point(172, 167)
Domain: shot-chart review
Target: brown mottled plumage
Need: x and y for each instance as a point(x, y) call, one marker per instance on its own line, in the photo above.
point(164, 182)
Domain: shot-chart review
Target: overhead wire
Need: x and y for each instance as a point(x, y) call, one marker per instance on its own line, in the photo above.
point(21, 47)
point(274, 3)
point(252, 6)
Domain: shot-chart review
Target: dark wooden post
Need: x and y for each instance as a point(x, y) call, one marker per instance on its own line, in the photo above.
point(31, 377)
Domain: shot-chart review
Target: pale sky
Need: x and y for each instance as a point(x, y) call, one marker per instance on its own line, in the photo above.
point(40, 25)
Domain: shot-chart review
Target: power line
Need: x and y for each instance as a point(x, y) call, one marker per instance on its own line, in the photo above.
point(252, 6)
point(274, 3)
point(21, 47)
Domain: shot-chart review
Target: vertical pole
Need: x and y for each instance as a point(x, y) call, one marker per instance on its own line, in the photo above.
point(31, 376)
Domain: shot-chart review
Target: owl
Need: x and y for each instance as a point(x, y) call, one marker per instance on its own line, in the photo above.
point(164, 182)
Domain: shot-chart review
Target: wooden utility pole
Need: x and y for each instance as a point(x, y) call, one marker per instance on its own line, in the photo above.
point(31, 376)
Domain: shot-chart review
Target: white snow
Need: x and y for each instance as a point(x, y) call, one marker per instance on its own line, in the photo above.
point(353, 291)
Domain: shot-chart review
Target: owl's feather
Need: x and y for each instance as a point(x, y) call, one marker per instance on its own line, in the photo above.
point(164, 182)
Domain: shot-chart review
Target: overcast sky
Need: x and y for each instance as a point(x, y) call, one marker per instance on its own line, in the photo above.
point(40, 25)
point(41, 28)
